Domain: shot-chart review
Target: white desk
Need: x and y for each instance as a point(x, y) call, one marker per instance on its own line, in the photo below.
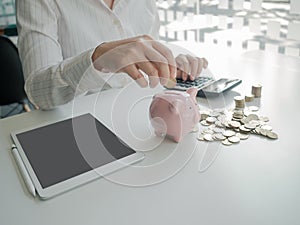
point(255, 182)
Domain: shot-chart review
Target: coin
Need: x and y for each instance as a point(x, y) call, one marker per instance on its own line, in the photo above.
point(219, 124)
point(272, 135)
point(244, 129)
point(228, 133)
point(242, 136)
point(256, 90)
point(171, 83)
point(249, 98)
point(234, 139)
point(252, 117)
point(234, 124)
point(204, 123)
point(226, 142)
point(267, 127)
point(211, 119)
point(218, 130)
point(263, 132)
point(208, 137)
point(219, 136)
point(201, 137)
point(250, 126)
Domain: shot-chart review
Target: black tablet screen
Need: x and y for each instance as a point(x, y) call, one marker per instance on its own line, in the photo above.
point(69, 148)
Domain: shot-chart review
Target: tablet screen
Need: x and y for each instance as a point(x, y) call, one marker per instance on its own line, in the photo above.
point(69, 148)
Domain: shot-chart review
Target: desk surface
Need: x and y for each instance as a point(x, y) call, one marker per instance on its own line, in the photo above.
point(254, 182)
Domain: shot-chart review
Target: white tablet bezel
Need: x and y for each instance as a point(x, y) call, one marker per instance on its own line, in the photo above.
point(63, 186)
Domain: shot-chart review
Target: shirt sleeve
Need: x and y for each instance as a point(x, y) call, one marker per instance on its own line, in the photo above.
point(50, 80)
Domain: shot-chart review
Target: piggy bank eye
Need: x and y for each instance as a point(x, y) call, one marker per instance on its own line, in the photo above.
point(190, 107)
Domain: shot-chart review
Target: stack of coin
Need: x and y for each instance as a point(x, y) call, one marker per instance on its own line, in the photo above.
point(249, 98)
point(256, 90)
point(239, 102)
point(231, 127)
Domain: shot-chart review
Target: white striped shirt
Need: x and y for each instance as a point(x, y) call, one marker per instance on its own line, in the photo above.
point(58, 37)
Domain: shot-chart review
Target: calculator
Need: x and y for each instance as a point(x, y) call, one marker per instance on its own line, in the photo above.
point(207, 86)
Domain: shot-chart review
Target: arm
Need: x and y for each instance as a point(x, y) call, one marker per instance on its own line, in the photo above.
point(50, 80)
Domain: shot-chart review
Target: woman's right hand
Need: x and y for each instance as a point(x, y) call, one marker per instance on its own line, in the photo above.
point(134, 55)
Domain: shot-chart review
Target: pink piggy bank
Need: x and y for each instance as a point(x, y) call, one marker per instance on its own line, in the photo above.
point(174, 113)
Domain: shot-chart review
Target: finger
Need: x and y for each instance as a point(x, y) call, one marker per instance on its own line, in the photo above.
point(205, 63)
point(200, 66)
point(161, 65)
point(151, 71)
point(136, 75)
point(179, 73)
point(183, 65)
point(167, 53)
point(193, 63)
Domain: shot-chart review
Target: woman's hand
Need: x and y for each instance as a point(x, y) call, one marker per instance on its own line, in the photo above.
point(189, 67)
point(137, 54)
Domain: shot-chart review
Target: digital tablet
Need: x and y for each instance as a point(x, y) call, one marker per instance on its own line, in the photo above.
point(65, 154)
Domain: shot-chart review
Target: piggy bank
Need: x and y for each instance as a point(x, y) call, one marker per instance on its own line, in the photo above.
point(174, 113)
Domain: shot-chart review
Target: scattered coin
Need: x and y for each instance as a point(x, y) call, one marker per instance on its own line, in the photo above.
point(201, 137)
point(272, 135)
point(219, 137)
point(211, 119)
point(226, 142)
point(234, 139)
point(234, 124)
point(204, 123)
point(218, 130)
point(267, 127)
point(208, 137)
point(242, 136)
point(250, 126)
point(228, 133)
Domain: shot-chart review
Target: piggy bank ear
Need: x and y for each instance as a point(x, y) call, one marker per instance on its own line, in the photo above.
point(175, 106)
point(192, 91)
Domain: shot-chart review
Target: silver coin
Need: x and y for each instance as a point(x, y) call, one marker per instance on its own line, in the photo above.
point(208, 137)
point(272, 135)
point(207, 131)
point(234, 124)
point(200, 137)
point(204, 123)
point(226, 142)
point(218, 130)
point(258, 130)
point(228, 133)
point(211, 119)
point(244, 129)
point(242, 136)
point(263, 132)
point(250, 126)
point(252, 117)
point(267, 127)
point(219, 124)
point(234, 139)
point(219, 136)
point(255, 122)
